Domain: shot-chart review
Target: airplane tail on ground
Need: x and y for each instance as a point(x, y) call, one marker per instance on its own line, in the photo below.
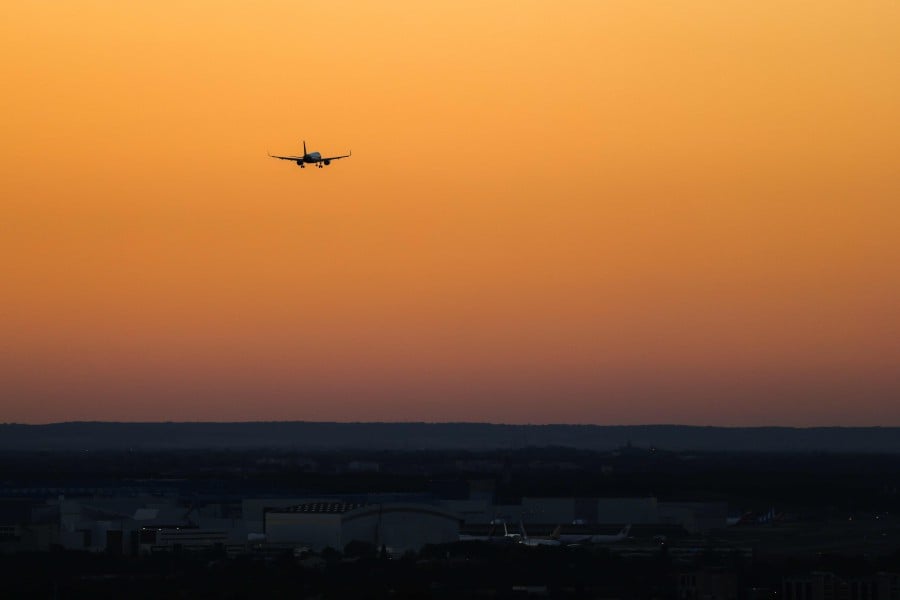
point(625, 530)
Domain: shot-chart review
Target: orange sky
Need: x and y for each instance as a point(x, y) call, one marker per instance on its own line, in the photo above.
point(585, 211)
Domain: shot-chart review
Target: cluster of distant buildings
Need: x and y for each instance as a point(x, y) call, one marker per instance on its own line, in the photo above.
point(136, 524)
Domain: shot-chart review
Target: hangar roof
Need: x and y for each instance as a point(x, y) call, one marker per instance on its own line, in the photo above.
point(353, 510)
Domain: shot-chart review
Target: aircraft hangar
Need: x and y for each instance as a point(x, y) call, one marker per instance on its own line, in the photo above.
point(397, 527)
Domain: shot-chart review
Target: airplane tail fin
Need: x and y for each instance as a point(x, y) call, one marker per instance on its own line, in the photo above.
point(304, 147)
point(555, 534)
point(626, 530)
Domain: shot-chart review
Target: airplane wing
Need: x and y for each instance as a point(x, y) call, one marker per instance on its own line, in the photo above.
point(336, 157)
point(287, 157)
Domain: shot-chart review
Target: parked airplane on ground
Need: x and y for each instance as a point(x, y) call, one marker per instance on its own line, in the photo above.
point(570, 538)
point(507, 537)
point(311, 158)
point(551, 540)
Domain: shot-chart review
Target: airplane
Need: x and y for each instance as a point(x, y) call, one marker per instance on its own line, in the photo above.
point(490, 537)
point(551, 540)
point(595, 539)
point(311, 158)
point(507, 537)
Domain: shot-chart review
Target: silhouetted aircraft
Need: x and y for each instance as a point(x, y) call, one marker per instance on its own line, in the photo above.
point(575, 538)
point(312, 158)
point(507, 537)
point(551, 540)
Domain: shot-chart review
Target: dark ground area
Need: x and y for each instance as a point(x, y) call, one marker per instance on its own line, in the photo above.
point(461, 571)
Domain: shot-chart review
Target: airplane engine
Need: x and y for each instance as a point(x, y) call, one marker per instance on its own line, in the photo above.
point(327, 162)
point(300, 162)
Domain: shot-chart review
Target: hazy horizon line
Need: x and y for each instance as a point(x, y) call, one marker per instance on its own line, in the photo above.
point(490, 423)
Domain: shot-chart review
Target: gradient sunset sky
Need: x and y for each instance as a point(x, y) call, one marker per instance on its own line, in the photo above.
point(605, 211)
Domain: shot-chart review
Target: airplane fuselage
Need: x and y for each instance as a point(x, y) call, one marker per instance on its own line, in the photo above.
point(311, 158)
